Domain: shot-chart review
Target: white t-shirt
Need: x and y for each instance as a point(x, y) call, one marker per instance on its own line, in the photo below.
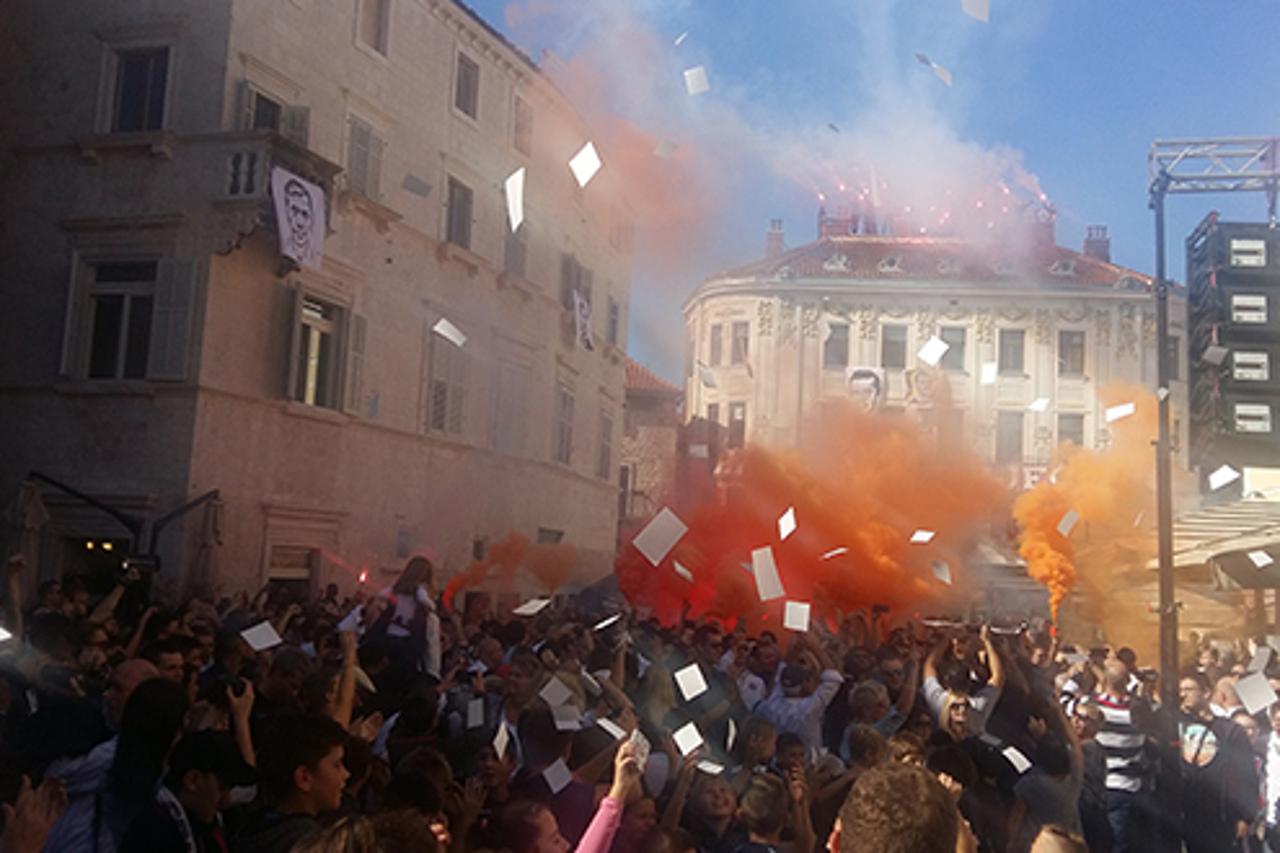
point(981, 703)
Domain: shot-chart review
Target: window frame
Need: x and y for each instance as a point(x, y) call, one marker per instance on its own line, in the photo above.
point(955, 352)
point(112, 93)
point(460, 59)
point(383, 47)
point(604, 452)
point(1060, 361)
point(447, 365)
point(562, 425)
point(1009, 416)
point(1009, 370)
point(740, 354)
point(737, 428)
point(302, 386)
point(1059, 431)
point(715, 344)
point(372, 171)
point(129, 291)
point(455, 219)
point(885, 342)
point(828, 362)
point(517, 101)
point(613, 322)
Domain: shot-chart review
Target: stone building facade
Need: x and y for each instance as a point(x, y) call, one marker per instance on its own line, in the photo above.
point(768, 342)
point(161, 347)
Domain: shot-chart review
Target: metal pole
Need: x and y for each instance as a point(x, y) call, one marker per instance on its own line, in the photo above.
point(1164, 480)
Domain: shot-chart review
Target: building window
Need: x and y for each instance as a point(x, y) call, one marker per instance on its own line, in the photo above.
point(120, 307)
point(713, 413)
point(364, 159)
point(1009, 437)
point(738, 350)
point(604, 462)
point(835, 349)
point(515, 252)
point(264, 112)
point(1175, 358)
point(375, 19)
point(626, 481)
point(953, 358)
point(715, 349)
point(446, 387)
point(512, 407)
point(1071, 353)
point(689, 345)
point(316, 377)
point(142, 77)
point(1071, 428)
point(574, 277)
point(615, 320)
point(893, 347)
point(1010, 356)
point(260, 111)
point(522, 127)
point(466, 90)
point(458, 226)
point(737, 425)
point(562, 434)
point(550, 536)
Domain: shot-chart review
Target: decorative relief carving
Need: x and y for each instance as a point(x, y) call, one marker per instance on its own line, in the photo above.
point(1102, 326)
point(1127, 335)
point(787, 321)
point(1077, 315)
point(1013, 315)
point(1102, 440)
point(1044, 436)
point(985, 332)
point(1043, 325)
point(926, 322)
point(868, 322)
point(809, 321)
point(764, 318)
point(1148, 329)
point(839, 262)
point(955, 312)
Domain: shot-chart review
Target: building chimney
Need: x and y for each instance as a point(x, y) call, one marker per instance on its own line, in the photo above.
point(1097, 244)
point(840, 225)
point(774, 239)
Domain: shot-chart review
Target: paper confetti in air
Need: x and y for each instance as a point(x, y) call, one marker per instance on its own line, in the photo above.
point(990, 372)
point(978, 9)
point(1068, 522)
point(500, 738)
point(933, 350)
point(683, 572)
point(665, 149)
point(1261, 658)
point(1215, 354)
point(835, 552)
point(695, 80)
point(941, 73)
point(710, 767)
point(5, 635)
point(768, 584)
point(532, 607)
point(1261, 559)
point(1039, 404)
point(1222, 477)
point(557, 776)
point(615, 731)
point(1124, 410)
point(568, 718)
point(554, 693)
point(475, 713)
point(1017, 759)
point(606, 622)
point(680, 39)
point(515, 198)
point(690, 681)
point(660, 535)
point(585, 164)
point(795, 617)
point(731, 736)
point(687, 738)
point(708, 376)
point(787, 523)
point(942, 571)
point(449, 332)
point(922, 537)
point(1162, 393)
point(261, 636)
point(1255, 692)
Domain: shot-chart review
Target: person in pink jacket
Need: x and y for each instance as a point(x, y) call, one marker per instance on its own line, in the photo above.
point(530, 827)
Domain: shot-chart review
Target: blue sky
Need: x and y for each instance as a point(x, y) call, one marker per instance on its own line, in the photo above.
point(1075, 89)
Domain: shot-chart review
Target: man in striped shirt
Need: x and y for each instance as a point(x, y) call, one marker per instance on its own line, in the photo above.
point(1122, 736)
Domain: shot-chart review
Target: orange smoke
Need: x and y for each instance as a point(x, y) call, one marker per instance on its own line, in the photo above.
point(1110, 490)
point(550, 564)
point(864, 483)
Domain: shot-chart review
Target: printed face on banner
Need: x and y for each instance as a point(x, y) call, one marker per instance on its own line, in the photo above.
point(300, 217)
point(866, 387)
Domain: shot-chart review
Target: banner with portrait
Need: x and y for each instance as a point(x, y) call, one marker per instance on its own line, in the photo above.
point(300, 217)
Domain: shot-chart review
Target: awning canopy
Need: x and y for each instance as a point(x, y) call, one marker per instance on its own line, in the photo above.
point(1222, 537)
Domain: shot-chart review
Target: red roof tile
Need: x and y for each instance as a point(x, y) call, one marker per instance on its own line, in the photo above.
point(641, 378)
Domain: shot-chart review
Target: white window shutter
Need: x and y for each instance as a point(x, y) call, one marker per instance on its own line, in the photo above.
point(171, 320)
point(376, 146)
point(457, 391)
point(353, 394)
point(293, 299)
point(295, 124)
point(75, 322)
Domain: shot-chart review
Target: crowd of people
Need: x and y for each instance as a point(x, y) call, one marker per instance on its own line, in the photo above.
point(380, 720)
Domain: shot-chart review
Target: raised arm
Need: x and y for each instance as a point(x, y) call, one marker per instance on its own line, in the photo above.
point(994, 660)
point(907, 696)
point(346, 681)
point(13, 582)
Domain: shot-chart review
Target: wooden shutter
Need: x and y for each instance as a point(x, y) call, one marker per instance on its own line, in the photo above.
point(171, 320)
point(353, 394)
point(295, 124)
point(373, 190)
point(293, 337)
point(244, 104)
point(76, 320)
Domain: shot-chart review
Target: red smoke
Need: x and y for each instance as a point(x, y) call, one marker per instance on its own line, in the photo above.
point(865, 483)
point(550, 564)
